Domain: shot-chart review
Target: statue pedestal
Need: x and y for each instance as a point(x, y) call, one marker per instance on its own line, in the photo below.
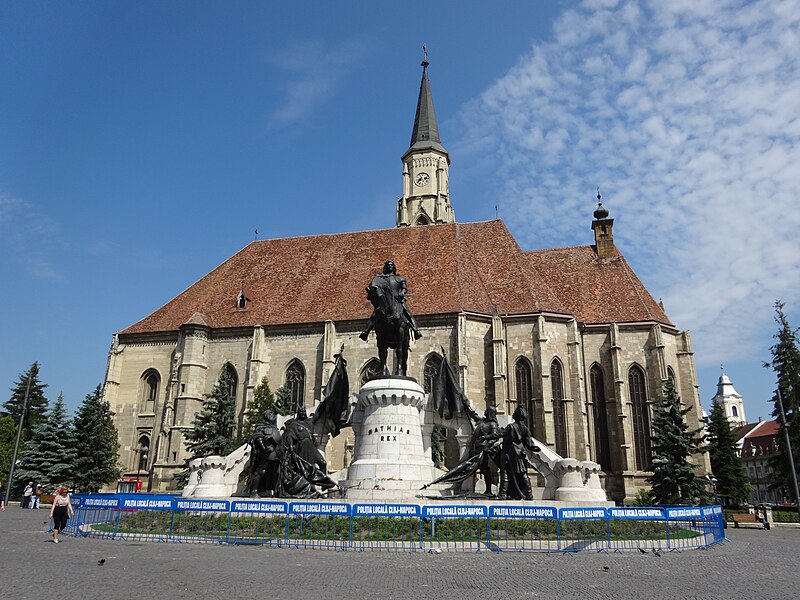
point(211, 483)
point(389, 458)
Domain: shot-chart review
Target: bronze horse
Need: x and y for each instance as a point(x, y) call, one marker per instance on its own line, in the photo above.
point(391, 327)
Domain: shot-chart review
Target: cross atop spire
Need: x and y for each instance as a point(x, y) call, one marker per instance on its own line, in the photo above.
point(424, 62)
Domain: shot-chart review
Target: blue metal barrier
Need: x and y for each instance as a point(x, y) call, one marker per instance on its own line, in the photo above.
point(637, 528)
point(258, 522)
point(199, 520)
point(581, 529)
point(523, 528)
point(318, 525)
point(395, 527)
point(454, 527)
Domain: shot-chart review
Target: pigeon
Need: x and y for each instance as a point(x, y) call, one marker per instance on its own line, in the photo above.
point(656, 552)
point(642, 550)
point(101, 562)
point(606, 569)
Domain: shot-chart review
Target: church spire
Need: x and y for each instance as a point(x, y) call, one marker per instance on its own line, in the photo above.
point(425, 134)
point(426, 194)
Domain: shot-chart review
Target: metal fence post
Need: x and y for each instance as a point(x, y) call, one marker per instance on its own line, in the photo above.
point(116, 523)
point(558, 533)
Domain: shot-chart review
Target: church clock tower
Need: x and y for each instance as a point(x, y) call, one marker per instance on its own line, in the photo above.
point(426, 188)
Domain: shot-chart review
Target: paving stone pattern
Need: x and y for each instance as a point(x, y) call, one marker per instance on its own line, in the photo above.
point(753, 564)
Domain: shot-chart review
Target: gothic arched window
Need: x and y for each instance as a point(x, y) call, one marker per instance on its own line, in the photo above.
point(601, 445)
point(370, 370)
point(523, 378)
point(429, 371)
point(671, 377)
point(559, 412)
point(296, 382)
point(150, 385)
point(641, 417)
point(234, 381)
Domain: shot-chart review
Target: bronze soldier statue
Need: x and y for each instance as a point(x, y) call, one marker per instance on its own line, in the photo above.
point(264, 457)
point(514, 482)
point(484, 442)
point(303, 467)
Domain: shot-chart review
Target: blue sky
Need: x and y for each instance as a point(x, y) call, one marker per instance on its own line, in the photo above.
point(141, 144)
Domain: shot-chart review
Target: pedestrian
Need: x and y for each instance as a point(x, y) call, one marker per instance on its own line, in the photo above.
point(60, 511)
point(35, 493)
point(26, 495)
point(2, 498)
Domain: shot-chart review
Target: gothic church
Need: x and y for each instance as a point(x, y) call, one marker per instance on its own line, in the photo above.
point(569, 332)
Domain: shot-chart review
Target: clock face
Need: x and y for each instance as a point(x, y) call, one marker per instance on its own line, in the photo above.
point(421, 179)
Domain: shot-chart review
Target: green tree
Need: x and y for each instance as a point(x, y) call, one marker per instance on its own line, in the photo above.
point(8, 434)
point(673, 480)
point(786, 364)
point(263, 400)
point(213, 427)
point(37, 403)
point(732, 483)
point(49, 456)
point(96, 444)
point(283, 401)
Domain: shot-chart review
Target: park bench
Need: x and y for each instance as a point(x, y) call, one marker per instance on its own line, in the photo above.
point(746, 520)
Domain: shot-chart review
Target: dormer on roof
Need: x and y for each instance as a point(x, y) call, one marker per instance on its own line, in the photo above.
point(197, 319)
point(242, 299)
point(426, 188)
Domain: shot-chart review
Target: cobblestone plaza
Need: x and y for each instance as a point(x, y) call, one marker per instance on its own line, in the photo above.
point(753, 564)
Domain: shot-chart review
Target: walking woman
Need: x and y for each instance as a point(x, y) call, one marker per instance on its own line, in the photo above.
point(61, 510)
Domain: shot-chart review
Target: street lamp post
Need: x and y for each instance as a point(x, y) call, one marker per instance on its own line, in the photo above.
point(788, 443)
point(753, 451)
point(13, 464)
point(713, 481)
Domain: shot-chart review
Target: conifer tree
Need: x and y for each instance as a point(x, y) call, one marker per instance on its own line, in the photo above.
point(673, 480)
point(213, 427)
point(37, 402)
point(283, 401)
point(96, 444)
point(263, 400)
point(786, 364)
point(8, 434)
point(49, 456)
point(732, 483)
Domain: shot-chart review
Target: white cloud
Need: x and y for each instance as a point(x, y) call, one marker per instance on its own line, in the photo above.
point(316, 72)
point(27, 237)
point(685, 113)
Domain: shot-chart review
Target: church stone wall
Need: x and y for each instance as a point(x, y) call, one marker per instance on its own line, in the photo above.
point(481, 350)
point(125, 388)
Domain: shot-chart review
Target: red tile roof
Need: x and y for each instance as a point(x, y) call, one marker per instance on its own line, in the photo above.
point(474, 267)
point(761, 437)
point(596, 290)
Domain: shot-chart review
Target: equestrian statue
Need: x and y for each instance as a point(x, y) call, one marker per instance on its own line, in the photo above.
point(391, 318)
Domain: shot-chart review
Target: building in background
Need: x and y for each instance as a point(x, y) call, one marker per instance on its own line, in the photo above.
point(758, 442)
point(571, 333)
point(731, 401)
